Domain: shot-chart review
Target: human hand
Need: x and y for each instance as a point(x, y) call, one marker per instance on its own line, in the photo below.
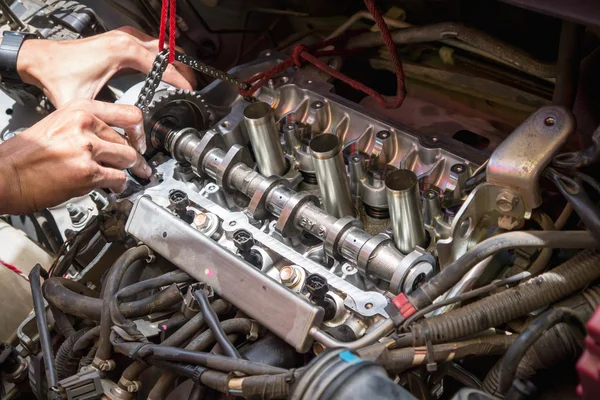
point(67, 154)
point(71, 69)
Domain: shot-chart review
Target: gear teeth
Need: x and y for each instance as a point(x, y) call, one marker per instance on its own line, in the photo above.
point(163, 98)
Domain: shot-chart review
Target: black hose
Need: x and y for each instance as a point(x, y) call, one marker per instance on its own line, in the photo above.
point(558, 345)
point(149, 284)
point(67, 360)
point(86, 340)
point(201, 343)
point(78, 300)
point(547, 288)
point(209, 360)
point(275, 386)
point(528, 337)
point(465, 296)
point(110, 288)
point(213, 323)
point(62, 323)
point(42, 325)
point(588, 156)
point(182, 335)
point(575, 194)
point(452, 273)
point(402, 359)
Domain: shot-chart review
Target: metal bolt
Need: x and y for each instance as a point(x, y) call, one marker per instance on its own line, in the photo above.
point(431, 194)
point(201, 220)
point(550, 121)
point(317, 104)
point(288, 275)
point(383, 134)
point(458, 168)
point(506, 201)
point(76, 213)
point(355, 158)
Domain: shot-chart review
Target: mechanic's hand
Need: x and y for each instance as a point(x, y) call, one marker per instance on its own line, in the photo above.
point(67, 154)
point(71, 69)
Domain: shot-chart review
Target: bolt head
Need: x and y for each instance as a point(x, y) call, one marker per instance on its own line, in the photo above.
point(506, 201)
point(288, 275)
point(201, 220)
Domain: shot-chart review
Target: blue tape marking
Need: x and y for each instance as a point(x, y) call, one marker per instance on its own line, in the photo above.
point(350, 358)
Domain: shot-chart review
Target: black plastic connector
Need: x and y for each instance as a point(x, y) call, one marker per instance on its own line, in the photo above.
point(317, 288)
point(244, 241)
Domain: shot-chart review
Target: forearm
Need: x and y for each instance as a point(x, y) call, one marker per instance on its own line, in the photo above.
point(9, 181)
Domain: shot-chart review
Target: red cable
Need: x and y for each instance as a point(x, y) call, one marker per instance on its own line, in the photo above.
point(302, 54)
point(172, 25)
point(163, 25)
point(168, 7)
point(14, 269)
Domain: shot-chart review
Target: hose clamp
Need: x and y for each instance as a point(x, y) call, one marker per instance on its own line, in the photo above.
point(104, 365)
point(253, 334)
point(131, 386)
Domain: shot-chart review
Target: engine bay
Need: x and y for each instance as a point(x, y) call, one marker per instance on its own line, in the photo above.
point(293, 242)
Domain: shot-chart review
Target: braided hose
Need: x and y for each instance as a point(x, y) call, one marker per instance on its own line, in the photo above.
point(494, 310)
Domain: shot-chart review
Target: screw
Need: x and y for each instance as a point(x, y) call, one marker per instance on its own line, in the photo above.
point(355, 158)
point(76, 213)
point(550, 121)
point(506, 201)
point(383, 134)
point(317, 104)
point(368, 306)
point(201, 220)
point(431, 194)
point(288, 276)
point(458, 168)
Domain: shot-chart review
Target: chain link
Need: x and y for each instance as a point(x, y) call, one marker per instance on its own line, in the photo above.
point(159, 67)
point(153, 80)
point(210, 71)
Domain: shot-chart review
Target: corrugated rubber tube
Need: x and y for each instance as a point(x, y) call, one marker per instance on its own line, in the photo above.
point(403, 359)
point(547, 288)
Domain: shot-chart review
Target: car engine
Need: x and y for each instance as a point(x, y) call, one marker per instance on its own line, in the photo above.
point(296, 240)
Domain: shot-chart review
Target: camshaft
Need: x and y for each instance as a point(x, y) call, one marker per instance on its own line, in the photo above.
point(344, 239)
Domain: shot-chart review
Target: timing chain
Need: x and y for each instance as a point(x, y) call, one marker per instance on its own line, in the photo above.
point(160, 65)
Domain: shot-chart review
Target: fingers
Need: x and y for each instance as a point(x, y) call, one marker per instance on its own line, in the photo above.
point(111, 149)
point(127, 117)
point(112, 179)
point(178, 75)
point(142, 59)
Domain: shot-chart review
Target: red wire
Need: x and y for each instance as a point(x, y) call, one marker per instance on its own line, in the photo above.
point(302, 54)
point(163, 25)
point(14, 269)
point(172, 25)
point(168, 7)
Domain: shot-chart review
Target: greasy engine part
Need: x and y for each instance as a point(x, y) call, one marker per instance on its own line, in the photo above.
point(287, 222)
